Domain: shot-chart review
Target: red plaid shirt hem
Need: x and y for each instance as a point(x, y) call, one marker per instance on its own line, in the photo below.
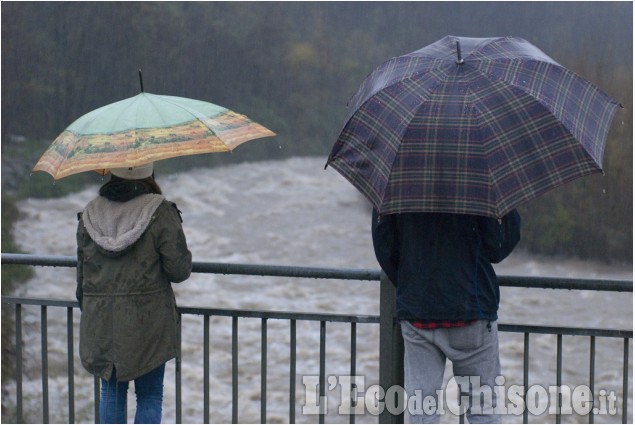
point(435, 324)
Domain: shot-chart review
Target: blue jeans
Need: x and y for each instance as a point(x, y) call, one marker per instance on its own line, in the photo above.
point(149, 391)
point(473, 350)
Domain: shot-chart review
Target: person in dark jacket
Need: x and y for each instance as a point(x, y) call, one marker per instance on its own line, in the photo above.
point(130, 248)
point(447, 302)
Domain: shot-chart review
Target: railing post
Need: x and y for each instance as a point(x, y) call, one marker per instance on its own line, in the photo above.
point(390, 345)
point(177, 371)
point(18, 358)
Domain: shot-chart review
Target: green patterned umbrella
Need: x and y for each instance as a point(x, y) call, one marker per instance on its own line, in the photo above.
point(146, 128)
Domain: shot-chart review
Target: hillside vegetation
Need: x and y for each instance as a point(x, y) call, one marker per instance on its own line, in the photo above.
point(293, 66)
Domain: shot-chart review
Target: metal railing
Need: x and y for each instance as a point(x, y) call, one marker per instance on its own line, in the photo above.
point(390, 345)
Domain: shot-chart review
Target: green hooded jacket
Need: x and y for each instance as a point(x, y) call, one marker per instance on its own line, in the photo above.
point(128, 254)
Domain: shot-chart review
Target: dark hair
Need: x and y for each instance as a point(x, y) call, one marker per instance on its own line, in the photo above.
point(152, 184)
point(118, 189)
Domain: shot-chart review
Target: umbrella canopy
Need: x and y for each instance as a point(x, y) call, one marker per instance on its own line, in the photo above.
point(470, 126)
point(143, 129)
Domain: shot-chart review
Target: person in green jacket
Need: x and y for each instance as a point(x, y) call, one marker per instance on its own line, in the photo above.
point(130, 249)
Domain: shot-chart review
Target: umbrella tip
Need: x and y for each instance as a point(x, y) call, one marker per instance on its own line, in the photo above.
point(141, 80)
point(459, 59)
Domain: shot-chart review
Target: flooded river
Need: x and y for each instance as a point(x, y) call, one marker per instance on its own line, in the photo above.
point(292, 212)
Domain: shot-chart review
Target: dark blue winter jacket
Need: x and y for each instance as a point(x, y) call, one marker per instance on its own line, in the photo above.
point(442, 263)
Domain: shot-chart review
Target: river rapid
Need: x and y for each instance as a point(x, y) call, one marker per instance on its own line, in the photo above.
point(292, 212)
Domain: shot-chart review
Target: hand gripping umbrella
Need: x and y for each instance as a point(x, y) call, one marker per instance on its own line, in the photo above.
point(470, 126)
point(143, 129)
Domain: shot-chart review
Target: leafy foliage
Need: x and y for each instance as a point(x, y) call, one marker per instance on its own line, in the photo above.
point(292, 66)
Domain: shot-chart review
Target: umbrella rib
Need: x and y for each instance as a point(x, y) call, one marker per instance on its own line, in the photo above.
point(195, 114)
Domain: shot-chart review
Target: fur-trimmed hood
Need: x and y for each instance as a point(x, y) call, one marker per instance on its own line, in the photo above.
point(115, 226)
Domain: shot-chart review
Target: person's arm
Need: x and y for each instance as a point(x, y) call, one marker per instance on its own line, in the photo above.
point(500, 236)
point(386, 244)
point(176, 258)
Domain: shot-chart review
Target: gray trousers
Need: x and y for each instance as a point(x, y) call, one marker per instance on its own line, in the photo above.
point(473, 350)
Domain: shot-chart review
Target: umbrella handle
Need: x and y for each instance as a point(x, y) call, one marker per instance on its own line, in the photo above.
point(141, 79)
point(459, 59)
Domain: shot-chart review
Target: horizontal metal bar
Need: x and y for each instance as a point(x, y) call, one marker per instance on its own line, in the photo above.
point(216, 268)
point(39, 301)
point(566, 283)
point(285, 315)
point(534, 329)
point(39, 260)
point(342, 274)
point(286, 271)
point(347, 318)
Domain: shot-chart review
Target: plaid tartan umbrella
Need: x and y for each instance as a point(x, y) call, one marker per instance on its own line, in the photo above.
point(478, 133)
point(143, 129)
